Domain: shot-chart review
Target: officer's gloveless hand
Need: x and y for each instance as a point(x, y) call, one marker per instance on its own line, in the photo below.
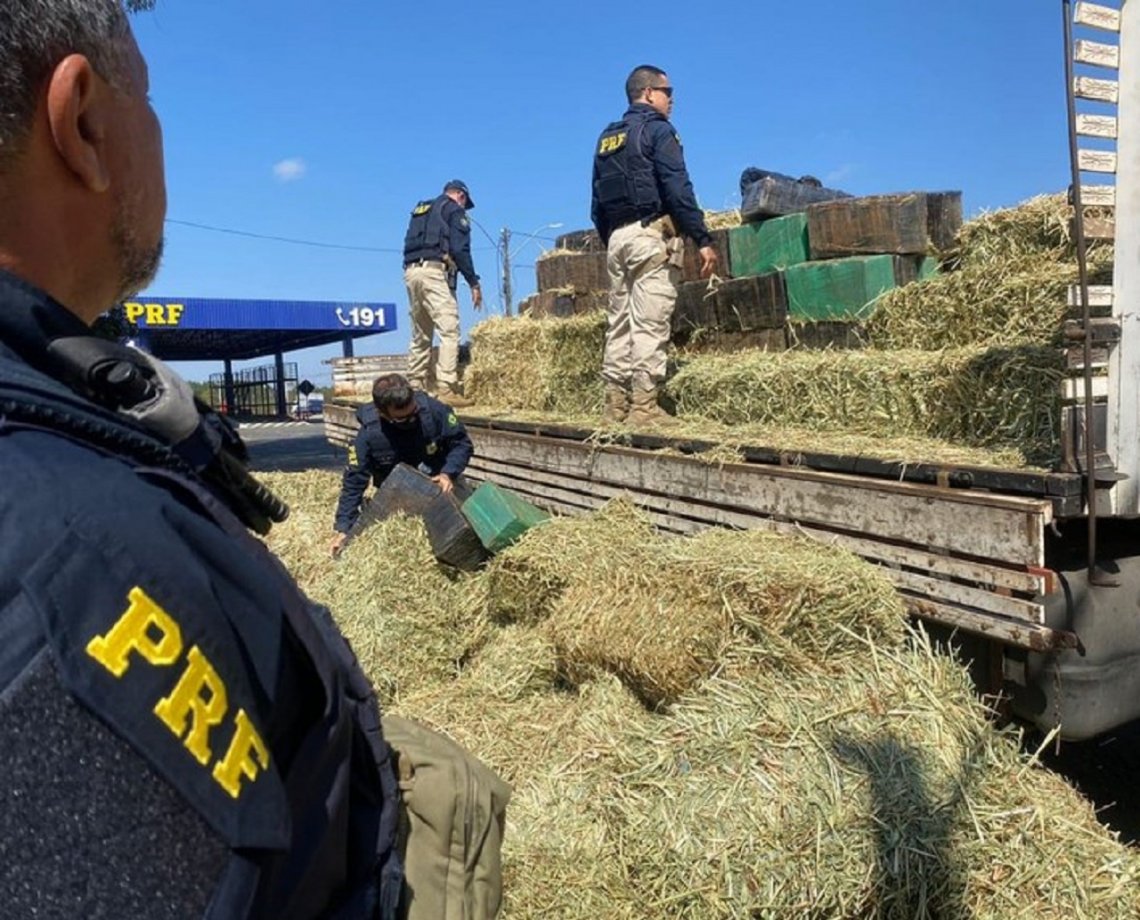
point(477, 297)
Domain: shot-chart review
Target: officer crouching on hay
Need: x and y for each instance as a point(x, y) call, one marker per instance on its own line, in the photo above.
point(403, 425)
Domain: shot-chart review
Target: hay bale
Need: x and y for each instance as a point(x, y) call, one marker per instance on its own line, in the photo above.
point(560, 859)
point(1037, 227)
point(543, 364)
point(723, 220)
point(302, 540)
point(525, 581)
point(410, 622)
point(977, 305)
point(999, 397)
point(659, 612)
point(872, 791)
point(825, 766)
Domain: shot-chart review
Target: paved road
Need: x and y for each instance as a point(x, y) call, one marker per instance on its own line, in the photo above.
point(290, 447)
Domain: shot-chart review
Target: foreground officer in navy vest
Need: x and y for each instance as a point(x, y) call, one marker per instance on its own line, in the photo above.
point(437, 245)
point(643, 204)
point(184, 733)
point(401, 426)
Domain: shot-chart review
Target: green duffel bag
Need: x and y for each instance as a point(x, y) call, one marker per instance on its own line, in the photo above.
point(453, 817)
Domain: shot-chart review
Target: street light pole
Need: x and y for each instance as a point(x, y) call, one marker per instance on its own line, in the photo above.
point(505, 242)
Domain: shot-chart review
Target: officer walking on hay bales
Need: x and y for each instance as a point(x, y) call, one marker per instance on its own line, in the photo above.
point(437, 245)
point(402, 425)
point(184, 733)
point(643, 204)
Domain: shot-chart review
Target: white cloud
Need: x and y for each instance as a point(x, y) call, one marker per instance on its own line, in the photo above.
point(838, 175)
point(289, 170)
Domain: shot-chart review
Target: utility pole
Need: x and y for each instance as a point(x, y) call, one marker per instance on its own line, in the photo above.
point(505, 242)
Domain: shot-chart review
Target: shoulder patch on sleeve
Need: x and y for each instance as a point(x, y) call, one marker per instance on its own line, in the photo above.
point(166, 673)
point(452, 418)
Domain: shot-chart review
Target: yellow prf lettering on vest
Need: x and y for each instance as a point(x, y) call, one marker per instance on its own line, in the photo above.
point(133, 311)
point(612, 143)
point(198, 701)
point(237, 762)
point(145, 628)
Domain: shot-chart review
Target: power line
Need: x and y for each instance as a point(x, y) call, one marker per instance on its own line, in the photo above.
point(294, 241)
point(280, 239)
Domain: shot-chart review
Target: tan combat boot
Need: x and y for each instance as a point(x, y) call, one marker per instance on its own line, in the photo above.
point(446, 393)
point(617, 403)
point(645, 411)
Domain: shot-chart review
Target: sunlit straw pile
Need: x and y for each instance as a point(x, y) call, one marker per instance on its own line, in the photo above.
point(388, 593)
point(528, 363)
point(1011, 284)
point(986, 397)
point(818, 766)
point(821, 765)
point(723, 220)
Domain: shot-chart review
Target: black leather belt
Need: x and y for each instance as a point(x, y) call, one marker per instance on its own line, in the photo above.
point(644, 221)
point(423, 262)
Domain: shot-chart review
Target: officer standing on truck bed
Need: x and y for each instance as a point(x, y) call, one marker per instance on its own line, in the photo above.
point(437, 245)
point(642, 205)
point(402, 425)
point(184, 733)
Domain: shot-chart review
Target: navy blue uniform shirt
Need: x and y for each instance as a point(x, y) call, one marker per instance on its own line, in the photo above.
point(437, 440)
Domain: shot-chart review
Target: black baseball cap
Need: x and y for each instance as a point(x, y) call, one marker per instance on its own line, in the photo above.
point(461, 186)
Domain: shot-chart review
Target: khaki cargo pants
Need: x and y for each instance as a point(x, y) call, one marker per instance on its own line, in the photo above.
point(433, 309)
point(644, 272)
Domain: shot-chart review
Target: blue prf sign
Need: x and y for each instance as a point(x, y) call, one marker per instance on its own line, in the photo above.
point(196, 313)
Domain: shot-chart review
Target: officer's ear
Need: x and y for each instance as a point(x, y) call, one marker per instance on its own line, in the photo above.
point(79, 118)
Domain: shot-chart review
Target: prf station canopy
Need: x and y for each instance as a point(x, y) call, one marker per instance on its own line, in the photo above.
point(197, 329)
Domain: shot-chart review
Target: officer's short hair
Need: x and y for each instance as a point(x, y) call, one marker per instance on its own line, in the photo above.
point(35, 35)
point(640, 79)
point(392, 391)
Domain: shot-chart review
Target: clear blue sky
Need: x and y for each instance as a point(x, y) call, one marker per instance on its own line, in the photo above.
point(328, 121)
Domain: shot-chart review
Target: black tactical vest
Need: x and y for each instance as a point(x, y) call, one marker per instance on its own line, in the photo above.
point(625, 186)
point(427, 234)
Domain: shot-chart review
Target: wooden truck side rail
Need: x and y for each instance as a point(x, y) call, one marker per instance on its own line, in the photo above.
point(967, 558)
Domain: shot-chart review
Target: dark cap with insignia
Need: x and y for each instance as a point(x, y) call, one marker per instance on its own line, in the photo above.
point(461, 186)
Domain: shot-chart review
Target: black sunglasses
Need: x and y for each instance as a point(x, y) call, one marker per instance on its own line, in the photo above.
point(667, 90)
